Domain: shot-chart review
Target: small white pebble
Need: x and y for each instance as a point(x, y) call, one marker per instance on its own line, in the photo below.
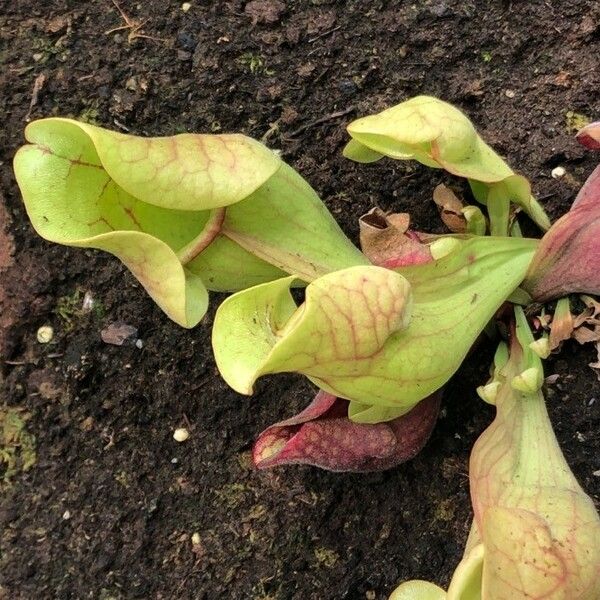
point(186, 6)
point(45, 334)
point(66, 515)
point(195, 539)
point(174, 461)
point(181, 434)
point(509, 93)
point(139, 344)
point(558, 172)
point(596, 473)
point(580, 437)
point(88, 302)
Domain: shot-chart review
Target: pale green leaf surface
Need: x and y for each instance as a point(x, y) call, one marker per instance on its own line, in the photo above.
point(183, 172)
point(372, 301)
point(285, 223)
point(72, 197)
point(452, 300)
point(434, 133)
point(540, 530)
point(439, 135)
point(360, 153)
point(246, 330)
point(418, 590)
point(466, 580)
point(225, 266)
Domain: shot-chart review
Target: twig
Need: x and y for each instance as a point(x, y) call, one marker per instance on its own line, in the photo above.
point(121, 126)
point(38, 84)
point(134, 26)
point(187, 422)
point(546, 196)
point(334, 115)
point(318, 37)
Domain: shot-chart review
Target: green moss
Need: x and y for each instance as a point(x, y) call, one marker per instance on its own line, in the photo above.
point(70, 308)
point(326, 557)
point(17, 446)
point(445, 510)
point(232, 495)
point(575, 121)
point(255, 64)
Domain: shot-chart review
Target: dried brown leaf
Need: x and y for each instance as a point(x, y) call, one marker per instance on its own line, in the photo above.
point(450, 209)
point(386, 241)
point(585, 335)
point(562, 325)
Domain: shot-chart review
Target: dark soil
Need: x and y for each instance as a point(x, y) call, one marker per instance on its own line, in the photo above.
point(110, 506)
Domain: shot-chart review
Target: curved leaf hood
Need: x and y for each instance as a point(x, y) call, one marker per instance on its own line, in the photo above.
point(439, 135)
point(185, 213)
point(382, 339)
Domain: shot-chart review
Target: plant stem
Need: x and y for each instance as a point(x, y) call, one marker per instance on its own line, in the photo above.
point(209, 232)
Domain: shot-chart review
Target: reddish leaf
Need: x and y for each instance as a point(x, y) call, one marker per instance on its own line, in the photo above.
point(322, 435)
point(568, 257)
point(589, 136)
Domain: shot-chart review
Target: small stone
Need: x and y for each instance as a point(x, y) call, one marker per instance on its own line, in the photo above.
point(186, 6)
point(37, 56)
point(131, 84)
point(509, 93)
point(139, 344)
point(119, 333)
point(580, 437)
point(153, 505)
point(195, 539)
point(174, 461)
point(348, 87)
point(45, 334)
point(265, 11)
point(596, 473)
point(181, 434)
point(66, 515)
point(439, 9)
point(88, 302)
point(558, 172)
point(187, 41)
point(184, 55)
point(87, 424)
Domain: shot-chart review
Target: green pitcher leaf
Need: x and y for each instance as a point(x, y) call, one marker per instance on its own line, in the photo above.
point(541, 532)
point(439, 135)
point(339, 339)
point(535, 534)
point(309, 244)
point(271, 332)
point(184, 172)
point(72, 199)
point(184, 213)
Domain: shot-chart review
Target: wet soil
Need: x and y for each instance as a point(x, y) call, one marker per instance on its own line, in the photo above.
point(110, 506)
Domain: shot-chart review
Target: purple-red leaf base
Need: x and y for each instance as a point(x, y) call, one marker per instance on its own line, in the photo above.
point(322, 435)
